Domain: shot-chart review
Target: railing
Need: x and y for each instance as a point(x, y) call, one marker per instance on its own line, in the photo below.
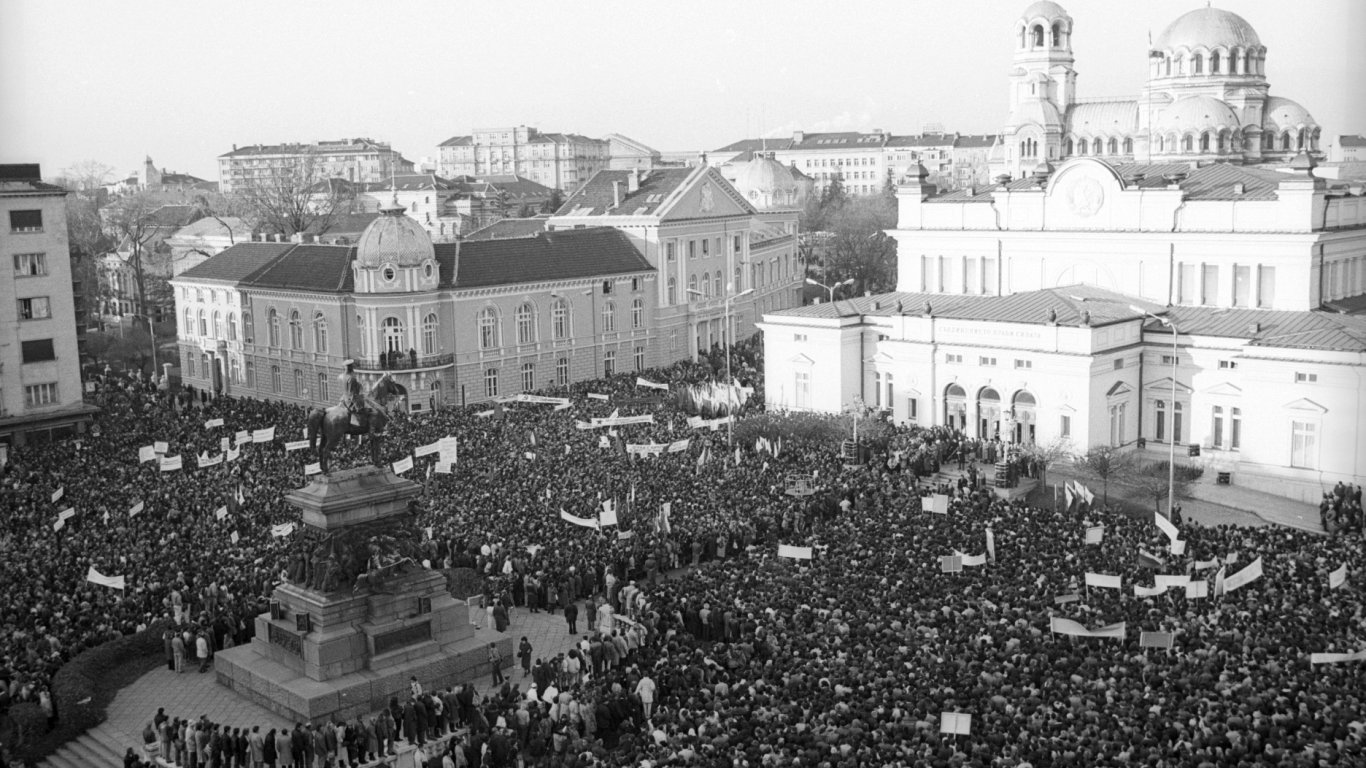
point(402, 361)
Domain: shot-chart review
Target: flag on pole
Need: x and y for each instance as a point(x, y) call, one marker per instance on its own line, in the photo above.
point(1246, 576)
point(1166, 526)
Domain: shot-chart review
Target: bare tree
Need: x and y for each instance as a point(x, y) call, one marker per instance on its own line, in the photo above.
point(86, 176)
point(1045, 456)
point(299, 197)
point(1105, 463)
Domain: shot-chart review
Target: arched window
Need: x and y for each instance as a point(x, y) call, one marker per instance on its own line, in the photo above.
point(1187, 143)
point(1198, 64)
point(1167, 69)
point(248, 327)
point(1204, 142)
point(526, 328)
point(1096, 146)
point(1299, 139)
point(716, 284)
point(273, 320)
point(1069, 148)
point(298, 383)
point(559, 319)
point(609, 317)
point(1081, 147)
point(1314, 140)
point(1285, 141)
point(488, 328)
point(219, 331)
point(692, 286)
point(1057, 36)
point(203, 324)
point(1233, 57)
point(638, 313)
point(1128, 146)
point(296, 330)
point(1038, 35)
point(319, 333)
point(706, 285)
point(1221, 142)
point(232, 327)
point(1113, 147)
point(1022, 37)
point(189, 322)
point(429, 326)
point(391, 329)
point(1214, 63)
point(673, 291)
point(772, 271)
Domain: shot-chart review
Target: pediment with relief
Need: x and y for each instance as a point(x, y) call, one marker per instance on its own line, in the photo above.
point(1304, 404)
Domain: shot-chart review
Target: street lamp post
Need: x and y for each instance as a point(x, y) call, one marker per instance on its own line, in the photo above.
point(831, 288)
point(726, 339)
point(1171, 426)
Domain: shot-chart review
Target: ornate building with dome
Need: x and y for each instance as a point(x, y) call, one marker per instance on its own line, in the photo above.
point(1206, 100)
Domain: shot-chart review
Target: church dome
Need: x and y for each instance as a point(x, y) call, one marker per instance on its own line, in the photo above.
point(1035, 111)
point(1209, 28)
point(1196, 114)
point(764, 174)
point(394, 238)
point(1046, 9)
point(1281, 114)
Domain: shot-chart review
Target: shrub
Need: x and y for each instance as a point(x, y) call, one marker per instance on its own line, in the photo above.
point(1184, 472)
point(84, 686)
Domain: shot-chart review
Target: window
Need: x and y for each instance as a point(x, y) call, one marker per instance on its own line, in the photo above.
point(670, 251)
point(606, 287)
point(203, 324)
point(319, 333)
point(528, 376)
point(321, 394)
point(275, 378)
point(273, 321)
point(488, 330)
point(559, 319)
point(1169, 360)
point(673, 291)
point(609, 317)
point(692, 287)
point(706, 251)
point(1303, 444)
point(716, 284)
point(1160, 421)
point(1176, 423)
point(429, 326)
point(298, 383)
point(296, 330)
point(1065, 426)
point(799, 337)
point(1026, 364)
point(40, 394)
point(234, 370)
point(1242, 285)
point(491, 382)
point(885, 398)
point(37, 350)
point(1306, 378)
point(1266, 287)
point(1217, 426)
point(391, 333)
point(986, 361)
point(219, 331)
point(1119, 363)
point(953, 358)
point(562, 371)
point(736, 245)
point(248, 328)
point(609, 362)
point(26, 221)
point(640, 358)
point(802, 390)
point(1228, 364)
point(1117, 414)
point(1235, 432)
point(706, 285)
point(190, 360)
point(30, 264)
point(692, 250)
point(35, 308)
point(250, 379)
point(637, 313)
point(912, 408)
point(1210, 291)
point(526, 327)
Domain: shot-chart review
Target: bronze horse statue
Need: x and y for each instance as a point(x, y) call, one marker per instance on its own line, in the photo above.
point(332, 424)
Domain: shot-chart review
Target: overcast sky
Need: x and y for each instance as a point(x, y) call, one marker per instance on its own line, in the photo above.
point(184, 81)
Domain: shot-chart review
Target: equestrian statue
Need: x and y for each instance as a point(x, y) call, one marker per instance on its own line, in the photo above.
point(356, 414)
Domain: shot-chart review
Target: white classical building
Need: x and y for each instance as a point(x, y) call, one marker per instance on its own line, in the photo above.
point(1018, 308)
point(1207, 99)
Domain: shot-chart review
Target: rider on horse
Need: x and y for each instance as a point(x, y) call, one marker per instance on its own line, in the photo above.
point(353, 395)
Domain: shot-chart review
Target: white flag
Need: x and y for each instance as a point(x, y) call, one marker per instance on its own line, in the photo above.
point(147, 453)
point(58, 494)
point(796, 553)
point(1178, 547)
point(1166, 526)
point(221, 513)
point(1338, 578)
point(95, 577)
point(1244, 577)
point(211, 423)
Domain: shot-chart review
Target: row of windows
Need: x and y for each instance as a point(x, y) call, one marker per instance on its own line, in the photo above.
point(1098, 147)
point(222, 326)
point(1226, 141)
point(708, 247)
point(1250, 62)
point(1199, 284)
point(960, 274)
point(40, 394)
point(528, 371)
point(524, 321)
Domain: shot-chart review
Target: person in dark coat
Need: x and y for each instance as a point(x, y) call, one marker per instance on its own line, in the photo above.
point(500, 618)
point(409, 723)
point(571, 616)
point(268, 749)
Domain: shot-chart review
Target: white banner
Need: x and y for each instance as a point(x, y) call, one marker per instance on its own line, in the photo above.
point(1094, 534)
point(956, 723)
point(241, 437)
point(1166, 526)
point(650, 384)
point(403, 465)
point(1336, 658)
point(1103, 580)
point(316, 468)
point(796, 553)
point(1338, 578)
point(1140, 591)
point(147, 453)
point(135, 509)
point(616, 421)
point(296, 445)
point(443, 467)
point(1244, 577)
point(583, 521)
point(1197, 589)
point(66, 514)
point(95, 577)
point(210, 461)
point(646, 449)
point(596, 396)
point(679, 445)
point(991, 545)
point(972, 561)
point(233, 454)
point(233, 537)
point(170, 463)
point(938, 504)
point(1178, 547)
point(1061, 626)
point(263, 435)
point(448, 449)
point(58, 494)
point(1172, 580)
point(282, 530)
point(221, 513)
point(211, 423)
point(161, 446)
point(608, 516)
point(427, 450)
point(1201, 565)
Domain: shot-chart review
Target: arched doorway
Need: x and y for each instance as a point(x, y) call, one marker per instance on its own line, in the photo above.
point(956, 407)
point(988, 413)
point(1025, 417)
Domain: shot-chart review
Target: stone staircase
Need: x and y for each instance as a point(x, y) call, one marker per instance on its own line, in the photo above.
point(96, 748)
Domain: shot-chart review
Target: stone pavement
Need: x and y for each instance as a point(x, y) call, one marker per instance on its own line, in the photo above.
point(192, 694)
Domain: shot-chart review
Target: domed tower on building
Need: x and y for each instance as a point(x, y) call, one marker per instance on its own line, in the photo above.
point(395, 255)
point(1043, 86)
point(770, 185)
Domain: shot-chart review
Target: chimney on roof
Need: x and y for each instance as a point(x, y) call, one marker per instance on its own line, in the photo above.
point(297, 237)
point(1238, 188)
point(633, 181)
point(798, 137)
point(701, 158)
point(1255, 327)
point(234, 147)
point(616, 193)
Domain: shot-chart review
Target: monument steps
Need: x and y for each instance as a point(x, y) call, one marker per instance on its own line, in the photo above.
point(96, 747)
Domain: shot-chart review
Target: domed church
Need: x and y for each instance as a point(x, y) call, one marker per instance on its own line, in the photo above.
point(1207, 99)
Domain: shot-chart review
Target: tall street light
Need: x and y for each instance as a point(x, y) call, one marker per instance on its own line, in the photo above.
point(830, 288)
point(1171, 426)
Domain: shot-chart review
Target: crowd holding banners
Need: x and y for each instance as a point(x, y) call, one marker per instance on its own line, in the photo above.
point(845, 659)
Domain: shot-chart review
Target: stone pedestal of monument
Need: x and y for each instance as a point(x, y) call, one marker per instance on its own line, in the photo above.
point(330, 648)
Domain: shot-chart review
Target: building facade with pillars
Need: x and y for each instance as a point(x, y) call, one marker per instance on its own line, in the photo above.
point(41, 395)
point(703, 238)
point(451, 322)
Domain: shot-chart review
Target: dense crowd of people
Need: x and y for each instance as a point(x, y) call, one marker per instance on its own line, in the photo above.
point(750, 659)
